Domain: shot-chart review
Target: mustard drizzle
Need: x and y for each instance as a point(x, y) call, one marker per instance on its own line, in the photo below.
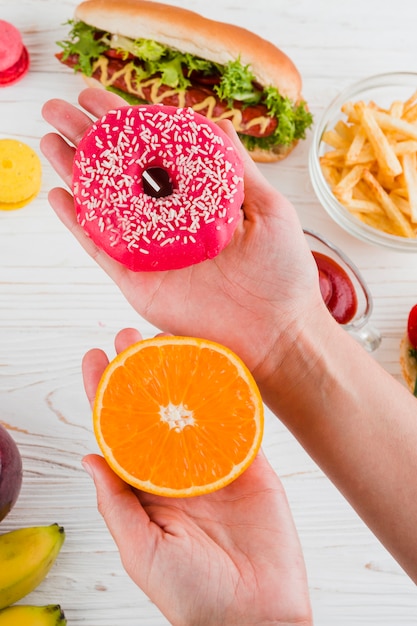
point(235, 115)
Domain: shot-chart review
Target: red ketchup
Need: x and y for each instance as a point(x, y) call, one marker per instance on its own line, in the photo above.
point(336, 288)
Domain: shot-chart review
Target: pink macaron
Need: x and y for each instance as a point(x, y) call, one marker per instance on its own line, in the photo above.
point(14, 57)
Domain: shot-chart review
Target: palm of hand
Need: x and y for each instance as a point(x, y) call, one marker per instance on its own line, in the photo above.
point(250, 281)
point(231, 557)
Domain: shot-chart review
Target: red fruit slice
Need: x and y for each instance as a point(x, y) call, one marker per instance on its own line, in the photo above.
point(412, 326)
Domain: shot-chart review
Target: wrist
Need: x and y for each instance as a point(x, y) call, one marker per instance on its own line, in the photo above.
point(300, 362)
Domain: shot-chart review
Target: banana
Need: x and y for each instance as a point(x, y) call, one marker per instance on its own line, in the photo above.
point(24, 615)
point(26, 556)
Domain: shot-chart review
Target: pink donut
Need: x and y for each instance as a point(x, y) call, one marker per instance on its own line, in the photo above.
point(157, 187)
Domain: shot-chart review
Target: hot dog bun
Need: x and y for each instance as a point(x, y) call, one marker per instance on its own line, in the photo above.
point(189, 32)
point(408, 363)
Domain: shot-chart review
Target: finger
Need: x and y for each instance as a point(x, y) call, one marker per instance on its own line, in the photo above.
point(228, 128)
point(126, 338)
point(59, 154)
point(98, 101)
point(67, 119)
point(63, 204)
point(95, 360)
point(260, 196)
point(93, 365)
point(251, 168)
point(122, 512)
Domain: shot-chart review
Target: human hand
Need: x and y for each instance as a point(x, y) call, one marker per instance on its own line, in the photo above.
point(231, 557)
point(265, 279)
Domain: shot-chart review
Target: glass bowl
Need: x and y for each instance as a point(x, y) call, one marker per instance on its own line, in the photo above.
point(359, 326)
point(382, 89)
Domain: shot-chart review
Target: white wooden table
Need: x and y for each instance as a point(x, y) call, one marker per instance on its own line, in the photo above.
point(55, 304)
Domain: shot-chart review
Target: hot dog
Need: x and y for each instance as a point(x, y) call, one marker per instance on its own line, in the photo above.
point(160, 54)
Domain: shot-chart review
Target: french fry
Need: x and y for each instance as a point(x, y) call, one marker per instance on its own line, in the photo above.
point(334, 157)
point(386, 180)
point(397, 109)
point(380, 223)
point(402, 203)
point(344, 187)
point(356, 146)
point(402, 192)
point(404, 147)
point(383, 151)
point(409, 103)
point(410, 175)
point(386, 122)
point(410, 114)
point(363, 206)
point(343, 130)
point(331, 174)
point(334, 139)
point(349, 110)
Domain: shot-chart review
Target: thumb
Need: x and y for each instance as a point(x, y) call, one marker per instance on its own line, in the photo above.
point(122, 512)
point(260, 196)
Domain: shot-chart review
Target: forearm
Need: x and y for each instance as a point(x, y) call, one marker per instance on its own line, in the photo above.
point(360, 426)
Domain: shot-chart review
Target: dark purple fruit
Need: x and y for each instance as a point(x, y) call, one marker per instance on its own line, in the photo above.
point(10, 472)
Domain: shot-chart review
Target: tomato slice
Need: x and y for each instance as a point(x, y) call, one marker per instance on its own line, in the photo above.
point(412, 326)
point(116, 54)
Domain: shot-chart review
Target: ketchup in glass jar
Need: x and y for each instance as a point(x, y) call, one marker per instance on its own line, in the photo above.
point(336, 288)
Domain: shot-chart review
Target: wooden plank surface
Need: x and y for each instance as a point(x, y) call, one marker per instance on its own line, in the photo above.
point(55, 304)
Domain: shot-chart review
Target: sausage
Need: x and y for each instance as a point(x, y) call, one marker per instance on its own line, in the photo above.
point(253, 120)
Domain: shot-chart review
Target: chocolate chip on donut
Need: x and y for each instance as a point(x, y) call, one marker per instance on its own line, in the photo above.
point(158, 188)
point(156, 182)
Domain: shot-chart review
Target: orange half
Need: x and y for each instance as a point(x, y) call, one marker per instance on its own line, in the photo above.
point(178, 416)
